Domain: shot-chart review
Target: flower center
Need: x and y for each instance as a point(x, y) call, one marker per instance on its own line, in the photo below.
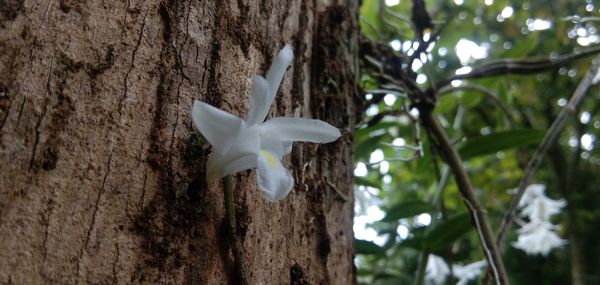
point(271, 160)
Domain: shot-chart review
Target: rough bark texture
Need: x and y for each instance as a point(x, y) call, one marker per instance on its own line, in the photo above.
point(101, 173)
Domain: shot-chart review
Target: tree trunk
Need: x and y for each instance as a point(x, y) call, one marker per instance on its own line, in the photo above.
point(102, 174)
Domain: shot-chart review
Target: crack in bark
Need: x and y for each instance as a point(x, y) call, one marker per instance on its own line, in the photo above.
point(140, 155)
point(135, 49)
point(213, 88)
point(185, 39)
point(7, 112)
point(20, 112)
point(114, 267)
point(125, 18)
point(143, 192)
point(96, 207)
point(46, 11)
point(39, 122)
point(170, 161)
point(46, 220)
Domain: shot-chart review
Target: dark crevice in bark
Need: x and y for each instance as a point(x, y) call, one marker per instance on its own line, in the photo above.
point(169, 219)
point(115, 278)
point(46, 217)
point(300, 59)
point(213, 87)
point(9, 10)
point(5, 104)
point(297, 275)
point(131, 66)
point(94, 214)
point(20, 112)
point(59, 113)
point(41, 118)
point(183, 44)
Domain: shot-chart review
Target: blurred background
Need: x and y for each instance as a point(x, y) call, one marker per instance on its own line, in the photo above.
point(408, 210)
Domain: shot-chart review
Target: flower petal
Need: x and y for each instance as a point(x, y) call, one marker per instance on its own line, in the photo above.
point(272, 178)
point(272, 144)
point(260, 101)
point(216, 126)
point(244, 144)
point(300, 129)
point(287, 147)
point(278, 68)
point(218, 167)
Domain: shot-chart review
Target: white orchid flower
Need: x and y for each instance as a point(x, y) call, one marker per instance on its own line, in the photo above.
point(542, 208)
point(538, 238)
point(437, 270)
point(537, 206)
point(466, 273)
point(252, 143)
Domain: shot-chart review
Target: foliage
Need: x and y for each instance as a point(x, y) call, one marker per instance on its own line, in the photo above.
point(495, 122)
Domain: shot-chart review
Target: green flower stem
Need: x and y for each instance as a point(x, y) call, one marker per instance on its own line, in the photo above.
point(229, 207)
point(421, 268)
point(238, 257)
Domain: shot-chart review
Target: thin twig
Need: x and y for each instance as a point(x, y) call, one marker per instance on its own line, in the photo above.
point(477, 212)
point(547, 142)
point(437, 198)
point(404, 159)
point(489, 93)
point(238, 257)
point(578, 19)
point(341, 195)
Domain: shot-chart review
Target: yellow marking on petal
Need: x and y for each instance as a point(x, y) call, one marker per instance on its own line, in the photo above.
point(271, 160)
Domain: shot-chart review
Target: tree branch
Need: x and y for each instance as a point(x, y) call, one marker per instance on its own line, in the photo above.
point(477, 212)
point(519, 66)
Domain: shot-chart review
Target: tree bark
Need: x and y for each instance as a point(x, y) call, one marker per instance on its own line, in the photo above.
point(101, 173)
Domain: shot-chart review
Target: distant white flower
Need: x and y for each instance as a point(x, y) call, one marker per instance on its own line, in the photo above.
point(537, 206)
point(542, 208)
point(251, 143)
point(465, 273)
point(437, 270)
point(538, 236)
point(532, 192)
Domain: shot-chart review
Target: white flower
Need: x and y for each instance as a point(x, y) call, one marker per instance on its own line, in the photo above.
point(251, 143)
point(468, 272)
point(542, 208)
point(537, 206)
point(538, 237)
point(531, 192)
point(437, 270)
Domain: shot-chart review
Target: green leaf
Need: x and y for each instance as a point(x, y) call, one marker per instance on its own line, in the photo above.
point(367, 132)
point(369, 18)
point(363, 181)
point(523, 47)
point(500, 141)
point(364, 149)
point(446, 104)
point(407, 209)
point(367, 247)
point(470, 98)
point(446, 232)
point(416, 242)
point(391, 279)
